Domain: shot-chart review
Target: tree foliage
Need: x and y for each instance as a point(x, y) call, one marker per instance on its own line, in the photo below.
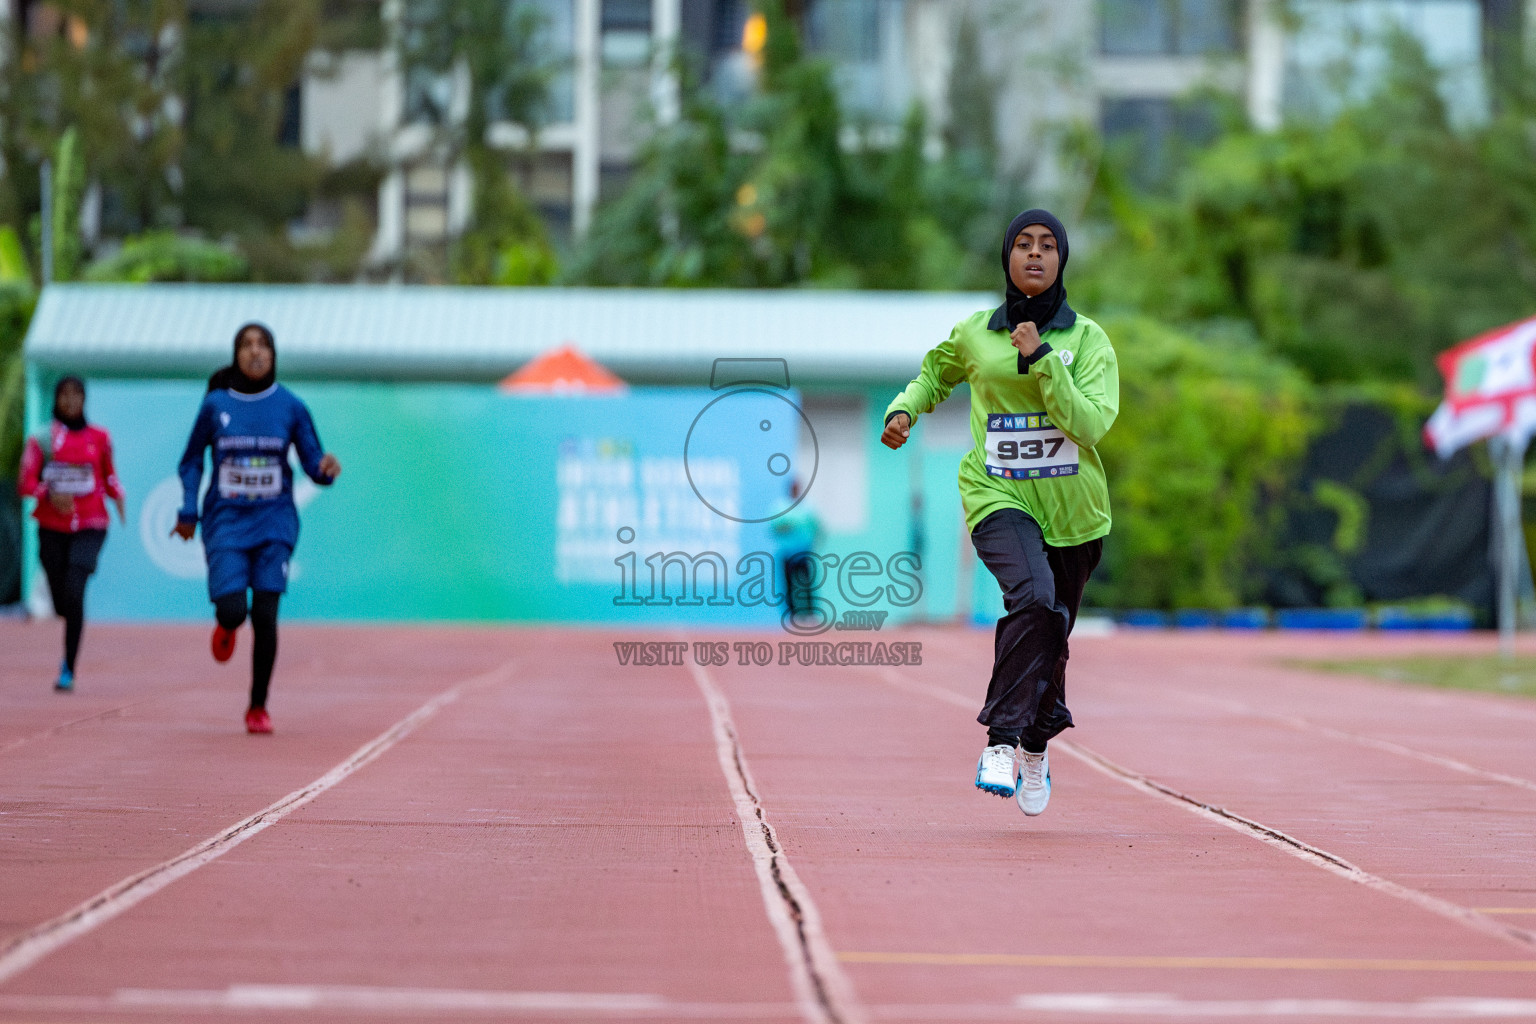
point(245, 176)
point(240, 177)
point(68, 191)
point(1357, 246)
point(1352, 248)
point(490, 50)
point(168, 256)
point(181, 120)
point(105, 68)
point(1210, 432)
point(769, 194)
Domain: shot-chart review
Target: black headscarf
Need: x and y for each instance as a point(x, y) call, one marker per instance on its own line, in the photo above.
point(233, 378)
point(77, 422)
point(1048, 310)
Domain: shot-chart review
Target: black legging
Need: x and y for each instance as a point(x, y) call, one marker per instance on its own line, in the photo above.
point(68, 560)
point(1042, 589)
point(231, 612)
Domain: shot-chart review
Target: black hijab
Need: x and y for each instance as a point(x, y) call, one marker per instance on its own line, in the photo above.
point(1048, 311)
point(233, 378)
point(78, 422)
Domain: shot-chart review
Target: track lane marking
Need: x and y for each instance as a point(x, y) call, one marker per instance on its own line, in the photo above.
point(366, 997)
point(243, 999)
point(1158, 1005)
point(452, 1004)
point(823, 992)
point(1305, 725)
point(1222, 963)
point(34, 944)
point(112, 712)
point(1298, 848)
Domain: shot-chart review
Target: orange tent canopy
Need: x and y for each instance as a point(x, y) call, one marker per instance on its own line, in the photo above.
point(563, 370)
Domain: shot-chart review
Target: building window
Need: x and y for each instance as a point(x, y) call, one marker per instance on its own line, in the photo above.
point(866, 41)
point(714, 29)
point(429, 92)
point(627, 16)
point(557, 45)
point(1147, 134)
point(427, 96)
point(727, 19)
point(1339, 54)
point(1186, 28)
point(289, 130)
point(847, 29)
point(626, 28)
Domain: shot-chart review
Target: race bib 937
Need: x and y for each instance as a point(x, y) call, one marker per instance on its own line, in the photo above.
point(1025, 446)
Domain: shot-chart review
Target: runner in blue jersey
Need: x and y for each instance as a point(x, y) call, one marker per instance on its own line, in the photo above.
point(250, 523)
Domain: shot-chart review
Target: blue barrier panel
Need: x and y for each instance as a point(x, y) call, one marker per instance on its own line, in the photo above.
point(1443, 620)
point(1321, 618)
point(1245, 618)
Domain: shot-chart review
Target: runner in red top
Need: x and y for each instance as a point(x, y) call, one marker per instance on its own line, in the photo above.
point(68, 469)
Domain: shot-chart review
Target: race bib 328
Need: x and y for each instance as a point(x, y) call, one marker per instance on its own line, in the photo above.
point(250, 477)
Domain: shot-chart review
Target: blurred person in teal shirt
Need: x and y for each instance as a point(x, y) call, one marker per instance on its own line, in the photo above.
point(797, 532)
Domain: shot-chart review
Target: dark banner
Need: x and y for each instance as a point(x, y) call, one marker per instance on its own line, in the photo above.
point(1376, 517)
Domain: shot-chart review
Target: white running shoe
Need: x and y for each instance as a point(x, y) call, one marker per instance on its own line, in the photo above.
point(994, 772)
point(1032, 779)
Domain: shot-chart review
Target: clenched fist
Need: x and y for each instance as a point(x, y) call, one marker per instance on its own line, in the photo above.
point(897, 430)
point(1026, 338)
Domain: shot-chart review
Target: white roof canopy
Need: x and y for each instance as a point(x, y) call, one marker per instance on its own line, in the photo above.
point(363, 332)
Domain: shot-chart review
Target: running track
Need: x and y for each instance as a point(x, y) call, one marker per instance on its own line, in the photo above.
point(504, 824)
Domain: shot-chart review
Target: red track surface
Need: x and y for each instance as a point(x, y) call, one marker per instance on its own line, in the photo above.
point(556, 837)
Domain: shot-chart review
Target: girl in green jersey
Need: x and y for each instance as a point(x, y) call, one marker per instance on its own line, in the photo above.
point(1044, 390)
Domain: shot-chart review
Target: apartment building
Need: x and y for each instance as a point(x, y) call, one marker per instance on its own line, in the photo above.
point(1135, 69)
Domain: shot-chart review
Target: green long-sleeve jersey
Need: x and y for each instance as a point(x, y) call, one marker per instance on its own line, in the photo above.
point(1034, 422)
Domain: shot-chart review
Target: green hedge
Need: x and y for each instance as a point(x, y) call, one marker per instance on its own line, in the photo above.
point(1210, 430)
point(16, 303)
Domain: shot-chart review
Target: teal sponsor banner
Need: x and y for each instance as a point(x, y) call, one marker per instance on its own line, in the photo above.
point(458, 502)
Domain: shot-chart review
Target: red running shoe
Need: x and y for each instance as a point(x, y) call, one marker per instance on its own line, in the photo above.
point(223, 643)
point(257, 721)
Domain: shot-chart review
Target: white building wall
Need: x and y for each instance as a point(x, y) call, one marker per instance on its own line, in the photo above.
point(340, 117)
point(1266, 63)
point(930, 52)
point(1339, 52)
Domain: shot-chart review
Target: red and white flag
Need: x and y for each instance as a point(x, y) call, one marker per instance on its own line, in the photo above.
point(1490, 390)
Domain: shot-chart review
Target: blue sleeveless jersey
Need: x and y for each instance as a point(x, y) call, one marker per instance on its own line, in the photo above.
point(250, 498)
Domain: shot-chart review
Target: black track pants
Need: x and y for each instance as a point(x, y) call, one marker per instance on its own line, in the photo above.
point(68, 560)
point(1042, 588)
point(230, 609)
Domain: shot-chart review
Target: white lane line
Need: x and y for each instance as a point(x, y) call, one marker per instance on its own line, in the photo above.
point(1237, 707)
point(453, 1004)
point(1304, 851)
point(36, 943)
point(362, 997)
point(1489, 703)
point(1134, 1005)
point(1271, 836)
point(115, 712)
point(822, 990)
